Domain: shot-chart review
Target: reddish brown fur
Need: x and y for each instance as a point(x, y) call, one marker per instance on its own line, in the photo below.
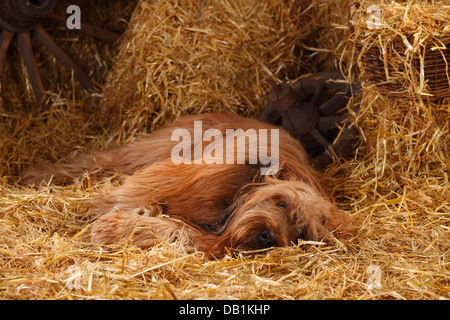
point(209, 207)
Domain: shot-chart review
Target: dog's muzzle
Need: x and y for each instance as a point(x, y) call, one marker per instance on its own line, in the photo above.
point(266, 239)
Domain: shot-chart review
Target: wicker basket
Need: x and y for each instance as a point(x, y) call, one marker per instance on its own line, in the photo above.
point(436, 69)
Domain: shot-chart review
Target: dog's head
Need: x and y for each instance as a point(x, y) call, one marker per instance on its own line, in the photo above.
point(278, 213)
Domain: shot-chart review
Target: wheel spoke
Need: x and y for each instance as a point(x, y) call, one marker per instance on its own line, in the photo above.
point(5, 39)
point(24, 42)
point(329, 123)
point(320, 138)
point(332, 105)
point(88, 29)
point(62, 57)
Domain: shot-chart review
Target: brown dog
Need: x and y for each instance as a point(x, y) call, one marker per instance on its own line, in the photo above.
point(201, 200)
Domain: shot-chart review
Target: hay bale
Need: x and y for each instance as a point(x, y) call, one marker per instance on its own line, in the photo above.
point(405, 136)
point(404, 49)
point(398, 183)
point(189, 57)
point(66, 122)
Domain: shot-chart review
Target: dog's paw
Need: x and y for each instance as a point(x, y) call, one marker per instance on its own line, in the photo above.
point(112, 228)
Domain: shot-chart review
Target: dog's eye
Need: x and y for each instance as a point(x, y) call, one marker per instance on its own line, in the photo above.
point(282, 205)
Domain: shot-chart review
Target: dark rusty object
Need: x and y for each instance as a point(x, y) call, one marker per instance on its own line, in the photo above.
point(386, 81)
point(24, 42)
point(313, 110)
point(24, 18)
point(23, 15)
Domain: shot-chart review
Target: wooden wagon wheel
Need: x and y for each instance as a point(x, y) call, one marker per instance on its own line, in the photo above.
point(23, 19)
point(313, 110)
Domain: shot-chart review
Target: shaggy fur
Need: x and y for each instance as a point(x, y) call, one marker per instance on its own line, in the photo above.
point(208, 207)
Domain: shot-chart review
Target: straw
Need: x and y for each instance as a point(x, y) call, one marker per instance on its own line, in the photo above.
point(177, 58)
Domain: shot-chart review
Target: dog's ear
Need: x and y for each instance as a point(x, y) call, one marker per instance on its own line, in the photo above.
point(290, 171)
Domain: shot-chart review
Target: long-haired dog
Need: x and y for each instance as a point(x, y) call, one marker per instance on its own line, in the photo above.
point(211, 206)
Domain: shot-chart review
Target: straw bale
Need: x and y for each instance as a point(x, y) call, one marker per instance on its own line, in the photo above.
point(403, 47)
point(400, 174)
point(396, 188)
point(67, 119)
point(183, 57)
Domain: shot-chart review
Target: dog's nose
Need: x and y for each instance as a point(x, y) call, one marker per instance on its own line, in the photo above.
point(267, 239)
